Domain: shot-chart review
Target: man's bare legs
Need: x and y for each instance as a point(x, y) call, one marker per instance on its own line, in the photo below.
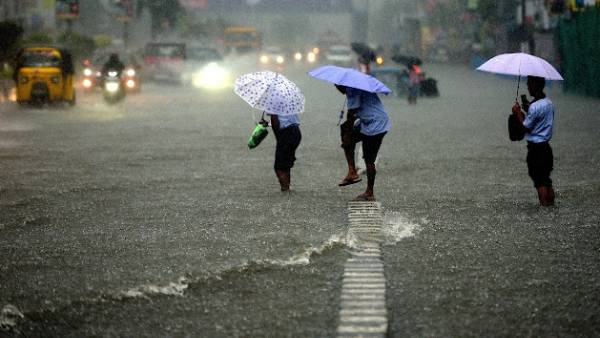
point(284, 179)
point(546, 196)
point(352, 175)
point(368, 195)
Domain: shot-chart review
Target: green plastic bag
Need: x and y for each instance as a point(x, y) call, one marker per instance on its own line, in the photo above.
point(259, 134)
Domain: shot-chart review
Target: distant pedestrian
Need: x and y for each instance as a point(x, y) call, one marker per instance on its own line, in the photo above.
point(287, 133)
point(373, 126)
point(414, 82)
point(364, 64)
point(538, 125)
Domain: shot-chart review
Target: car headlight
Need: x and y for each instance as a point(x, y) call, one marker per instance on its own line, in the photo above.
point(316, 50)
point(87, 72)
point(87, 83)
point(379, 60)
point(298, 56)
point(130, 72)
point(264, 59)
point(280, 59)
point(113, 73)
point(311, 57)
point(212, 76)
point(130, 84)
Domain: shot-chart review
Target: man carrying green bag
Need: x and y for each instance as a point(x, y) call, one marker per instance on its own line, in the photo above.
point(282, 100)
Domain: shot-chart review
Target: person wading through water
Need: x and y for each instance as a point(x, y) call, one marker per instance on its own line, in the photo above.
point(538, 125)
point(374, 124)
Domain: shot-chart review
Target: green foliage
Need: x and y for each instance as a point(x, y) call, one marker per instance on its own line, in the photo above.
point(102, 40)
point(447, 14)
point(38, 38)
point(10, 39)
point(488, 9)
point(81, 46)
point(579, 46)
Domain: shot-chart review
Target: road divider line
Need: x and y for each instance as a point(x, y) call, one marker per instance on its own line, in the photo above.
point(363, 311)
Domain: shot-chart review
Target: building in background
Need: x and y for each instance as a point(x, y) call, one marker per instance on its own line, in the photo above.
point(33, 15)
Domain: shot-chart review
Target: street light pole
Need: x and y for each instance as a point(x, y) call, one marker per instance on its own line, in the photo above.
point(523, 13)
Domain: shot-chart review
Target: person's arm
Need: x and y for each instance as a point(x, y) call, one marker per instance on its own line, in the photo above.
point(275, 122)
point(354, 102)
point(351, 115)
point(516, 109)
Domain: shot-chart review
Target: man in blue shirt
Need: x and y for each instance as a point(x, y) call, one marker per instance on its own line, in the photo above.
point(374, 124)
point(287, 133)
point(537, 125)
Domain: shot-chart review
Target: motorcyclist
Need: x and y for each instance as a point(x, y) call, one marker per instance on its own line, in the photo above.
point(113, 63)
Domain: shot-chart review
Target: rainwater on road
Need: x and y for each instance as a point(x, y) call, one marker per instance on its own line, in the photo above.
point(152, 217)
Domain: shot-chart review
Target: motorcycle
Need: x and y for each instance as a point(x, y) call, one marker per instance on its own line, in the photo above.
point(112, 89)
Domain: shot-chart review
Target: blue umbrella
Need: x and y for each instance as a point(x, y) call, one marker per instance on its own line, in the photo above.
point(350, 78)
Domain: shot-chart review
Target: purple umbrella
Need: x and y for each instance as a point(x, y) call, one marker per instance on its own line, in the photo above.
point(350, 78)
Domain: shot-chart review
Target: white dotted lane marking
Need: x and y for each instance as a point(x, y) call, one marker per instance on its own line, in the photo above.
point(363, 310)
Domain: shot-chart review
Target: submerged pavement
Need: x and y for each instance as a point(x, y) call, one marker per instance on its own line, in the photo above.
point(153, 218)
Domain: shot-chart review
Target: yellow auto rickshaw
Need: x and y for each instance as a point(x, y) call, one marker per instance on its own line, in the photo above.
point(44, 75)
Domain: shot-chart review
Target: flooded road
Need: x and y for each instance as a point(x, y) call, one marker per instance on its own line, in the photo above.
point(153, 218)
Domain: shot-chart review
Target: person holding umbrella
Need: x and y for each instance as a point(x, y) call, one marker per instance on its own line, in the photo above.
point(365, 106)
point(282, 100)
point(538, 125)
point(374, 124)
point(287, 133)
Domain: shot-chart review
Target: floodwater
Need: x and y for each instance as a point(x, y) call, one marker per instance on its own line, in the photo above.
point(152, 217)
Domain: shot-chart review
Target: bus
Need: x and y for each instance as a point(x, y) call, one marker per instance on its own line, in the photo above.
point(242, 39)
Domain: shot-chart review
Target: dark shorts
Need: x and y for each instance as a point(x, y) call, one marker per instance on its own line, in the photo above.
point(540, 163)
point(288, 140)
point(370, 144)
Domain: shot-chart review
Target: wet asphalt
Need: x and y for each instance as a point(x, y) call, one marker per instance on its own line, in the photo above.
point(152, 218)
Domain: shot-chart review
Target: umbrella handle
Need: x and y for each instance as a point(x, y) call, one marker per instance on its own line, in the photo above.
point(341, 116)
point(518, 85)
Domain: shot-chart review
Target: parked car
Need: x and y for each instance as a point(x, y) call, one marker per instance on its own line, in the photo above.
point(340, 55)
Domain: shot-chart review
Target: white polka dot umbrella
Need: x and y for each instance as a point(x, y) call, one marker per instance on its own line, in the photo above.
point(270, 92)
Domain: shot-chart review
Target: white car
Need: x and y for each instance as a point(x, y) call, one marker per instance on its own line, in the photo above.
point(272, 55)
point(339, 55)
point(204, 68)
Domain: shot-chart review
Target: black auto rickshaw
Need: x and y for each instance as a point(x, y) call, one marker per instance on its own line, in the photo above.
point(44, 74)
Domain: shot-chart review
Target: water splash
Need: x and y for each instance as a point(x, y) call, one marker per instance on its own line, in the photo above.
point(178, 288)
point(171, 289)
point(9, 317)
point(397, 226)
point(347, 240)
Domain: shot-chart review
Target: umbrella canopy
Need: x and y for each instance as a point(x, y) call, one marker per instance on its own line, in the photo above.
point(406, 60)
point(350, 78)
point(270, 92)
point(366, 52)
point(520, 64)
